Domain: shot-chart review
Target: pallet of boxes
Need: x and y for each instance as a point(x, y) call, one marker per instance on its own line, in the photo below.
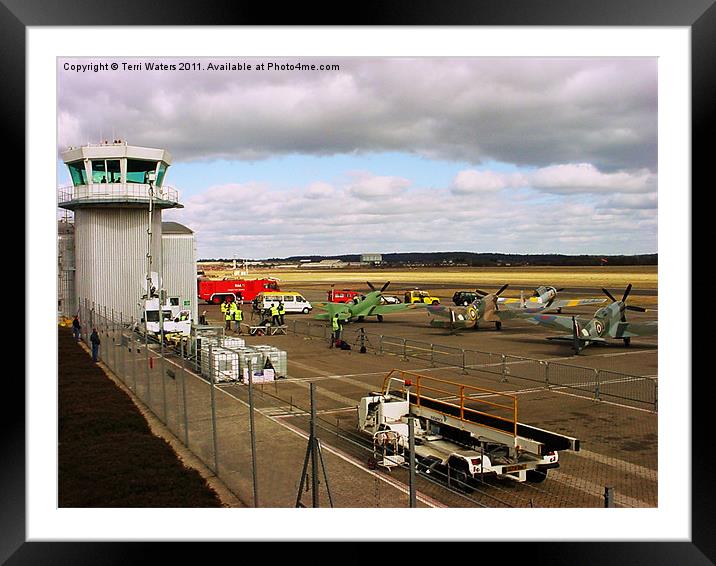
point(229, 360)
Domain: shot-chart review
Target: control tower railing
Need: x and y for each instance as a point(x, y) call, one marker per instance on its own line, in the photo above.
point(99, 193)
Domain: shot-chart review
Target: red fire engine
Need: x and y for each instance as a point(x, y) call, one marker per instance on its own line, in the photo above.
point(342, 295)
point(244, 290)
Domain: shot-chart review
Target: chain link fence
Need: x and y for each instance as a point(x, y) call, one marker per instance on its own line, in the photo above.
point(261, 438)
point(262, 462)
point(599, 384)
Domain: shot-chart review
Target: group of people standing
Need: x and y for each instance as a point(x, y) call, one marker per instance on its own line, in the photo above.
point(232, 312)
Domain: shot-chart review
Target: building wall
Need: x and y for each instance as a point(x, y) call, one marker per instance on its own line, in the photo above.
point(110, 257)
point(179, 268)
point(66, 297)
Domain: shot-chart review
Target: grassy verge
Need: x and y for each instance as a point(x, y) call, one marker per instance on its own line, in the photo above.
point(107, 454)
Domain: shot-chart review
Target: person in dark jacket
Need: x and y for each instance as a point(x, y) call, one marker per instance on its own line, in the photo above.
point(95, 341)
point(76, 328)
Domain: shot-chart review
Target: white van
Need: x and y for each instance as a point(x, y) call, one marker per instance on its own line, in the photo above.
point(292, 301)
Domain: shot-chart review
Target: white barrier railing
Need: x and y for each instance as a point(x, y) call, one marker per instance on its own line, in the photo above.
point(114, 191)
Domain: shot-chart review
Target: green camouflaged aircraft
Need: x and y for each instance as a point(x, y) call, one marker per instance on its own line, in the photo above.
point(357, 309)
point(608, 323)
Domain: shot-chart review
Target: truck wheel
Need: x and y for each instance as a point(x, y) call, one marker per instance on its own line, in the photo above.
point(216, 299)
point(459, 477)
point(536, 476)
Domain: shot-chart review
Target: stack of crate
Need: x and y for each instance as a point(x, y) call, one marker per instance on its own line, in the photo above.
point(277, 357)
point(249, 357)
point(232, 342)
point(222, 364)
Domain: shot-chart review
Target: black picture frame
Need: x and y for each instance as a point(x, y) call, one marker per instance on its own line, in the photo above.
point(17, 15)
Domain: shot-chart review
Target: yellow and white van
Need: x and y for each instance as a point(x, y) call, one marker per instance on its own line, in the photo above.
point(292, 301)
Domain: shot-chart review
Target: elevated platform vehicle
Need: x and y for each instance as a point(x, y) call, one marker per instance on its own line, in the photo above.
point(462, 433)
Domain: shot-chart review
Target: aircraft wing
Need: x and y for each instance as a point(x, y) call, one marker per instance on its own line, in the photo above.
point(443, 311)
point(330, 310)
point(534, 307)
point(582, 339)
point(452, 324)
point(550, 320)
point(388, 309)
point(576, 302)
point(631, 329)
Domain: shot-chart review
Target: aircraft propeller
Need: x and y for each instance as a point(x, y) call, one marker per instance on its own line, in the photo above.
point(497, 294)
point(624, 306)
point(383, 288)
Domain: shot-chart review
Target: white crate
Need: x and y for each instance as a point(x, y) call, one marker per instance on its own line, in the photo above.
point(222, 364)
point(232, 342)
point(262, 376)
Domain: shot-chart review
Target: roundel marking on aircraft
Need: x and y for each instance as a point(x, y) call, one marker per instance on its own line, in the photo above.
point(598, 326)
point(472, 312)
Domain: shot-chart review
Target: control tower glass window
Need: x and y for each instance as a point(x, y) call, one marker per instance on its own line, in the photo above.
point(160, 174)
point(105, 171)
point(77, 172)
point(137, 170)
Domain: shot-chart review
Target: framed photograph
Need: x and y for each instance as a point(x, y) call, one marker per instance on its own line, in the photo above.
point(611, 102)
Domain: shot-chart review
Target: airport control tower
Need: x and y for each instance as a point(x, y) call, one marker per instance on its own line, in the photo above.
point(117, 197)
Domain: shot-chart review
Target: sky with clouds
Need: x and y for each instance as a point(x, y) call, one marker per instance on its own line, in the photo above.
point(512, 155)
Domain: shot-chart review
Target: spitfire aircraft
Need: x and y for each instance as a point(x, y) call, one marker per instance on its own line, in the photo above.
point(543, 299)
point(608, 322)
point(490, 307)
point(484, 308)
point(370, 304)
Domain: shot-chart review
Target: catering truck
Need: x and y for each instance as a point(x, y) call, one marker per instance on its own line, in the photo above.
point(461, 433)
point(215, 291)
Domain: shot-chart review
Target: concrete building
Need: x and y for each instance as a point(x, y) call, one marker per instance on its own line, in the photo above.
point(117, 197)
point(179, 264)
point(373, 259)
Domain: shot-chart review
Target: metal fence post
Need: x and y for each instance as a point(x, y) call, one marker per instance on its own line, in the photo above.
point(504, 368)
point(546, 374)
point(183, 394)
point(120, 352)
point(163, 373)
point(464, 366)
point(596, 385)
point(213, 410)
point(608, 497)
point(411, 445)
point(380, 347)
point(405, 353)
point(432, 355)
point(253, 435)
point(133, 358)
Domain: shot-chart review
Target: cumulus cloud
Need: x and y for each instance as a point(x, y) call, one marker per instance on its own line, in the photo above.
point(631, 202)
point(585, 177)
point(584, 152)
point(569, 178)
point(413, 219)
point(319, 190)
point(378, 187)
point(527, 111)
point(472, 181)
